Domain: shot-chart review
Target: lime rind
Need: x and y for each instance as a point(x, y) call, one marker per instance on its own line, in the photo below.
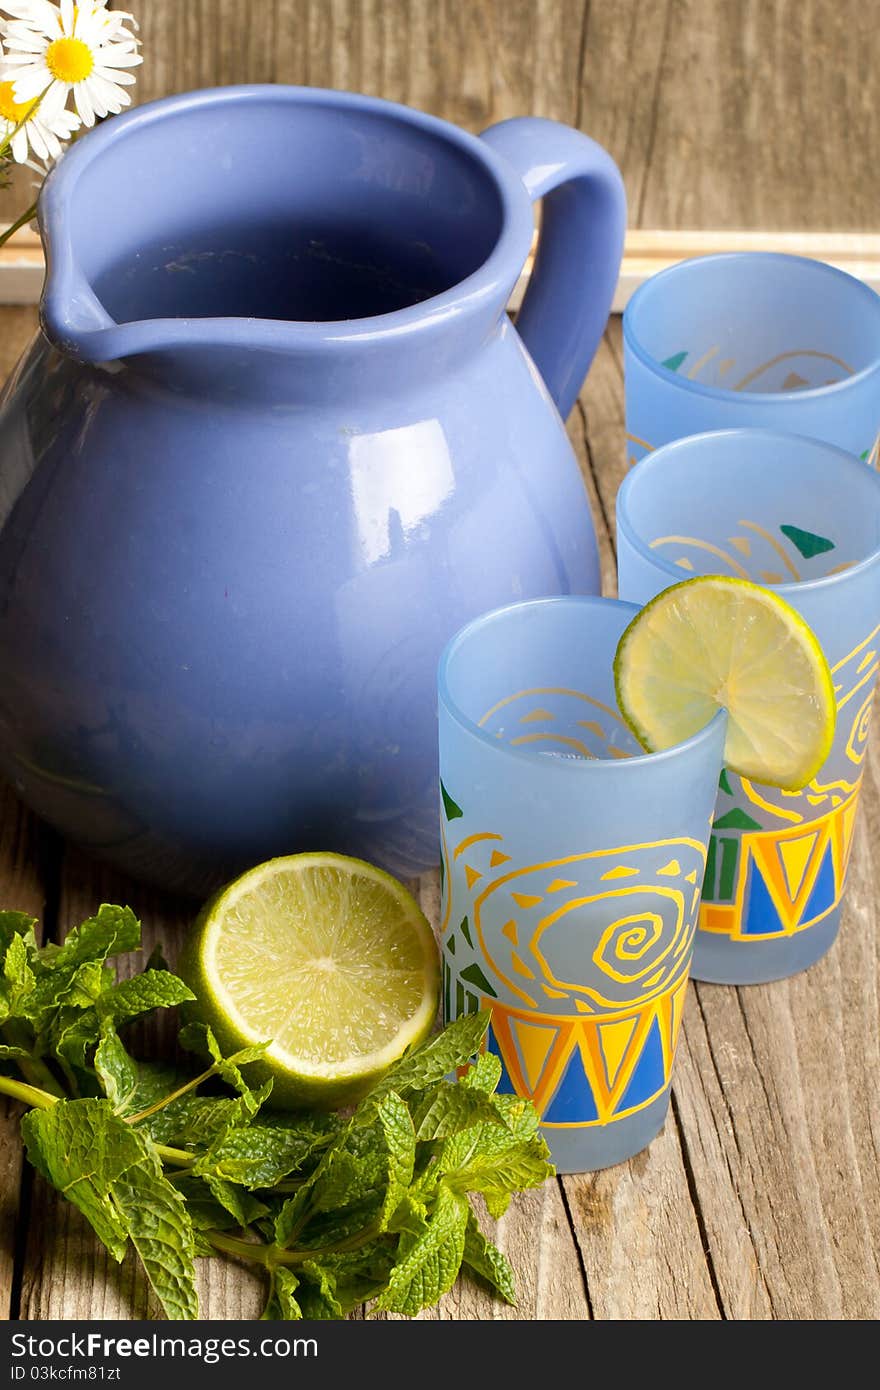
point(683, 675)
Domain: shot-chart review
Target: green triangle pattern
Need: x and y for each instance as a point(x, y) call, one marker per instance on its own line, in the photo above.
point(452, 809)
point(465, 930)
point(724, 782)
point(736, 819)
point(475, 976)
point(675, 361)
point(807, 542)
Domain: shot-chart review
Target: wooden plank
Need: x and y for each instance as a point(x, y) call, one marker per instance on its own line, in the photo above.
point(745, 114)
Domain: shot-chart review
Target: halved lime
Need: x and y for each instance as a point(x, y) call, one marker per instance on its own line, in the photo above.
point(328, 959)
point(716, 641)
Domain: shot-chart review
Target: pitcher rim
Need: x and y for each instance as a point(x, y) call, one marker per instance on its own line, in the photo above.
point(493, 278)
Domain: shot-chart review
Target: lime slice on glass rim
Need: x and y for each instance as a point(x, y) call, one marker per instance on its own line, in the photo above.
point(713, 642)
point(328, 959)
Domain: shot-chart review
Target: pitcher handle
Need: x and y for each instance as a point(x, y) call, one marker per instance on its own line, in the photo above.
point(572, 286)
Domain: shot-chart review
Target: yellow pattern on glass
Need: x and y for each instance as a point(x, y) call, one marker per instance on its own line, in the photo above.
point(634, 947)
point(671, 870)
point(619, 871)
point(784, 357)
point(559, 883)
point(703, 545)
point(537, 1052)
point(520, 967)
point(475, 840)
point(526, 900)
point(777, 856)
point(577, 744)
point(535, 715)
point(702, 361)
point(775, 545)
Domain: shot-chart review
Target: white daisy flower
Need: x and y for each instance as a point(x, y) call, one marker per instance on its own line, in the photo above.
point(23, 127)
point(31, 132)
point(53, 50)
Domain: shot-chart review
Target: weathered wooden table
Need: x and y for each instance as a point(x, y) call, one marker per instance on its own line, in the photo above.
point(760, 1199)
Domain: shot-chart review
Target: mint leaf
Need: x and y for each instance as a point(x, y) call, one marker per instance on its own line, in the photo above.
point(13, 1053)
point(484, 1074)
point(161, 1231)
point(14, 924)
point(260, 1156)
point(239, 1203)
point(282, 1305)
point(497, 1159)
point(18, 981)
point(359, 1181)
point(199, 1038)
point(192, 1121)
point(450, 1107)
point(433, 1061)
point(431, 1260)
point(153, 989)
point(116, 1071)
point(80, 1147)
point(316, 1294)
point(486, 1260)
point(110, 932)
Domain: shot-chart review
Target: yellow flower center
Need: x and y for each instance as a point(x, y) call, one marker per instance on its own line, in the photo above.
point(11, 110)
point(70, 60)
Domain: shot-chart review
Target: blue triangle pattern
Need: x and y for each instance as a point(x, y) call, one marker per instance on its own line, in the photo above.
point(572, 1101)
point(505, 1086)
point(760, 917)
point(821, 900)
point(649, 1076)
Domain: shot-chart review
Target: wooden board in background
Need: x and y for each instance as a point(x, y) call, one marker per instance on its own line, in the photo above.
point(721, 113)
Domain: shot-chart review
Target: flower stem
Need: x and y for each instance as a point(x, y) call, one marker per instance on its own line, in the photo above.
point(25, 218)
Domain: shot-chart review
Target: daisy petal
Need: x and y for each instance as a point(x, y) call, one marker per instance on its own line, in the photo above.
point(83, 103)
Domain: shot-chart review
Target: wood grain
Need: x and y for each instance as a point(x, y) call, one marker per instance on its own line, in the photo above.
point(721, 113)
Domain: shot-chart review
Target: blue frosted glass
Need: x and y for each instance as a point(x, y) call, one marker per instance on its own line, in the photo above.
point(753, 339)
point(572, 865)
point(804, 518)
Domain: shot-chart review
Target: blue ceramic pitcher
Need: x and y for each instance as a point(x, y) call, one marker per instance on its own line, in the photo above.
point(278, 440)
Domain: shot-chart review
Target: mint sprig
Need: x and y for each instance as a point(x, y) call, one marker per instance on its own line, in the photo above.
point(177, 1162)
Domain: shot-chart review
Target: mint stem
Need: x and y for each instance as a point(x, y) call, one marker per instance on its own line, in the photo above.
point(30, 1095)
point(33, 1069)
point(160, 1104)
point(42, 1100)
